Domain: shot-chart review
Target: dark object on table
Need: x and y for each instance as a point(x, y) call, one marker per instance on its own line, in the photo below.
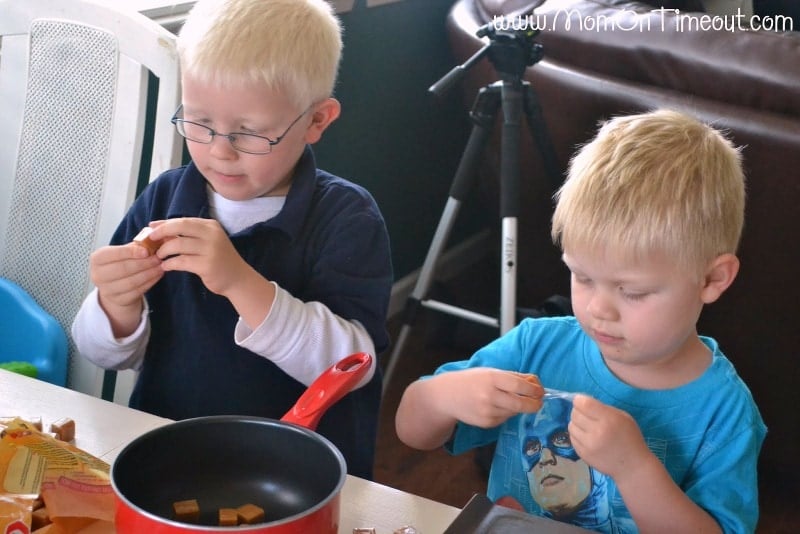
point(481, 516)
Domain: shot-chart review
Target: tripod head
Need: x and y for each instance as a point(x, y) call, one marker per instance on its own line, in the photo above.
point(511, 49)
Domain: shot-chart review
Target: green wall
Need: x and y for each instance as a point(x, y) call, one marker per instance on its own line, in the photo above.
point(393, 137)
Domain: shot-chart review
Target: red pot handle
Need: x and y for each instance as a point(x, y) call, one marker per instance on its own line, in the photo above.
point(336, 382)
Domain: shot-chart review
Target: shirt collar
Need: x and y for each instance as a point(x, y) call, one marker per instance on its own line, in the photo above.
point(190, 198)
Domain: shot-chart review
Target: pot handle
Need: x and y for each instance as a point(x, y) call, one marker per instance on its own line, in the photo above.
point(336, 382)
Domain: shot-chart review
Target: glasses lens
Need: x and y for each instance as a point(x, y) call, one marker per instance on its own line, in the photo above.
point(253, 144)
point(194, 132)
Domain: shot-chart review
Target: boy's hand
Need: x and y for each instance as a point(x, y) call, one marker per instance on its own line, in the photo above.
point(609, 440)
point(122, 275)
point(605, 437)
point(486, 397)
point(202, 247)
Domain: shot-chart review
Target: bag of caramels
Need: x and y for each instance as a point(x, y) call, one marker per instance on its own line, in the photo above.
point(21, 472)
point(74, 485)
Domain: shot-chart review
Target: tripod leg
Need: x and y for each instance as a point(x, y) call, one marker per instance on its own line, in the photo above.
point(508, 280)
point(512, 98)
point(538, 129)
point(483, 114)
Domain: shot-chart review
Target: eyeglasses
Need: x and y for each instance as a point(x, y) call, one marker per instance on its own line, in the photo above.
point(243, 142)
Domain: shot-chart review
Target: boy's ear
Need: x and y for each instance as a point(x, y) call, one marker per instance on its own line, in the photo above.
point(322, 115)
point(719, 276)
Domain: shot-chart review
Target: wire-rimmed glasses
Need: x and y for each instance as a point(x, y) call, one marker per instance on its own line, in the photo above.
point(243, 142)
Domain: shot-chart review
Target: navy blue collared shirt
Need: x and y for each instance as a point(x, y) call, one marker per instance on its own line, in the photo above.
point(328, 244)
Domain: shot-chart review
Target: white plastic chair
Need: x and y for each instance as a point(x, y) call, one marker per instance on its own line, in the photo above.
point(74, 82)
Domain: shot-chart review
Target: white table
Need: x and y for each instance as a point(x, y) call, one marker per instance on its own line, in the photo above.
point(104, 428)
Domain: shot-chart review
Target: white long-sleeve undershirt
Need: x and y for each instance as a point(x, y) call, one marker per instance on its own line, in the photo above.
point(302, 338)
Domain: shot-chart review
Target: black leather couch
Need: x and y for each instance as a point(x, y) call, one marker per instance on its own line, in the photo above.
point(746, 82)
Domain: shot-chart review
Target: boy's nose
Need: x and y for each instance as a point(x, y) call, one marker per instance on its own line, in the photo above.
point(221, 147)
point(601, 306)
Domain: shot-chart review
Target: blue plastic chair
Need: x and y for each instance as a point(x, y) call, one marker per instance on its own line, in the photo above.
point(30, 334)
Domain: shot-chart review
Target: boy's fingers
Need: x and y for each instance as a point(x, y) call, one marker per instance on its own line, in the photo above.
point(141, 248)
point(165, 229)
point(582, 401)
point(531, 404)
point(528, 385)
point(113, 254)
point(587, 406)
point(181, 226)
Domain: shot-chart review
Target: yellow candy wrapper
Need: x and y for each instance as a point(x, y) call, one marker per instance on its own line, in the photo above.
point(74, 485)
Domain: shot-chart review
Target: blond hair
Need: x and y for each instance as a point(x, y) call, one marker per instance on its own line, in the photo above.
point(292, 46)
point(654, 182)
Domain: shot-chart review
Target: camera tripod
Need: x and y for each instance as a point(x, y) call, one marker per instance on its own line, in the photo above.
point(510, 52)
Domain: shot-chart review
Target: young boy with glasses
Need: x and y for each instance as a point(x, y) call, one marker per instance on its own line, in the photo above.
point(270, 269)
point(649, 220)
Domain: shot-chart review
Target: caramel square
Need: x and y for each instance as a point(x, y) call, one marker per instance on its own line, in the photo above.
point(250, 514)
point(228, 517)
point(187, 511)
point(64, 429)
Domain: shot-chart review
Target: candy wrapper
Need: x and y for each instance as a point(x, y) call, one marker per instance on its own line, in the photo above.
point(20, 478)
point(555, 394)
point(74, 485)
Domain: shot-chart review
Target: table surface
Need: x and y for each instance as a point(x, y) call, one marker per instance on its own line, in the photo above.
point(104, 428)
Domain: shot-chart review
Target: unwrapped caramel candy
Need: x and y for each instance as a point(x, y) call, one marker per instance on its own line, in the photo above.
point(187, 511)
point(250, 514)
point(63, 429)
point(533, 379)
point(228, 517)
point(143, 239)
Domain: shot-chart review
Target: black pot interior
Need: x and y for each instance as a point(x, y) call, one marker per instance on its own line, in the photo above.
point(228, 461)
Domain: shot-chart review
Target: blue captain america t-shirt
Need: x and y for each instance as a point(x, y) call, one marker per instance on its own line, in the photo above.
point(552, 480)
point(707, 433)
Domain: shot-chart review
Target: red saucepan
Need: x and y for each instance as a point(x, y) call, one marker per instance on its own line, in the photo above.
point(284, 467)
